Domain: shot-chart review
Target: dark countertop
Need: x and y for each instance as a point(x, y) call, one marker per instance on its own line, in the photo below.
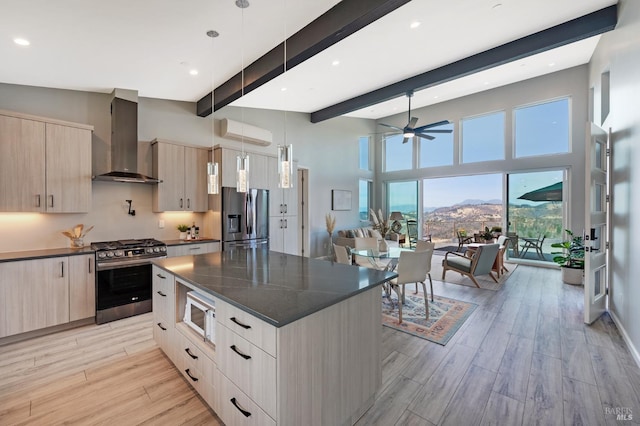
point(11, 256)
point(275, 287)
point(181, 242)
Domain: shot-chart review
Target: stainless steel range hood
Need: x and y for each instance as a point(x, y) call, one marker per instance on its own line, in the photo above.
point(124, 140)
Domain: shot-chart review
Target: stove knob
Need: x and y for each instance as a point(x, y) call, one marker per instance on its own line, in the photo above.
point(119, 253)
point(102, 255)
point(109, 254)
point(163, 249)
point(149, 250)
point(156, 250)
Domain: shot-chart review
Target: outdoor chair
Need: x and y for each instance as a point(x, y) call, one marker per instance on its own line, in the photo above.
point(534, 243)
point(514, 239)
point(412, 232)
point(463, 239)
point(413, 267)
point(480, 263)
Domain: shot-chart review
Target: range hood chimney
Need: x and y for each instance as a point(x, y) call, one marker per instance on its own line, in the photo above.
point(124, 140)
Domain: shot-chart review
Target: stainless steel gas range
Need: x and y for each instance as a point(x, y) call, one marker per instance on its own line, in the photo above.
point(123, 277)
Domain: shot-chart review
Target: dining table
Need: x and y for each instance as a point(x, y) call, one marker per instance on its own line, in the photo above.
point(384, 260)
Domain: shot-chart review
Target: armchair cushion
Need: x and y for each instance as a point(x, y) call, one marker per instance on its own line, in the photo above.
point(460, 262)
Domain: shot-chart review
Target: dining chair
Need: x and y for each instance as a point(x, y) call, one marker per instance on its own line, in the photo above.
point(428, 247)
point(368, 243)
point(413, 267)
point(503, 242)
point(342, 254)
point(412, 232)
point(534, 243)
point(480, 263)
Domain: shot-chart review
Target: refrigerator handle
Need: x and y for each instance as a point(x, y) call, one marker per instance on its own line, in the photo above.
point(249, 214)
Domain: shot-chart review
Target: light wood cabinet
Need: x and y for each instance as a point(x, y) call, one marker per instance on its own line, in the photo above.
point(283, 211)
point(35, 294)
point(45, 165)
point(82, 287)
point(163, 302)
point(183, 171)
point(192, 248)
point(258, 168)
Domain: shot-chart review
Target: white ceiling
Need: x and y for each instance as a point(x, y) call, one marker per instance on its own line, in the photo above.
point(151, 45)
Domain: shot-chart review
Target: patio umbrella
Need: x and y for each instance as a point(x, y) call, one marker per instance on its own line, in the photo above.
point(548, 193)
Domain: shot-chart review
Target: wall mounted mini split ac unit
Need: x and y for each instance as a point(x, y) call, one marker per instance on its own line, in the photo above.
point(242, 131)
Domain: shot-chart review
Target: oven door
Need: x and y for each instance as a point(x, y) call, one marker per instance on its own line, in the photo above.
point(122, 285)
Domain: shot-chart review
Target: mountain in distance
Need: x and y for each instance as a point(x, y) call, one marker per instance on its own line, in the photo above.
point(467, 202)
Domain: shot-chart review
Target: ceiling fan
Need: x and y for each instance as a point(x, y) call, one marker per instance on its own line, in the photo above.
point(410, 131)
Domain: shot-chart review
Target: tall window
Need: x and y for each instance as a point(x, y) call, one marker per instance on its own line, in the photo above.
point(364, 143)
point(439, 151)
point(364, 197)
point(483, 138)
point(397, 155)
point(403, 197)
point(542, 129)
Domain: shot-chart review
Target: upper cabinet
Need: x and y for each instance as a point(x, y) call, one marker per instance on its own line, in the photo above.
point(45, 165)
point(183, 171)
point(258, 168)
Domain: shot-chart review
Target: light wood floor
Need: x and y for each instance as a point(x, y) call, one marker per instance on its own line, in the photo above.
point(523, 357)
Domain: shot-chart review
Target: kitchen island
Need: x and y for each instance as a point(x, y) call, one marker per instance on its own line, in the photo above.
point(297, 340)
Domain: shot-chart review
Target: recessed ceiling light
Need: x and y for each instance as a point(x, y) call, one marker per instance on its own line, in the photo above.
point(415, 24)
point(21, 41)
point(436, 97)
point(486, 83)
point(284, 89)
point(335, 63)
point(193, 72)
point(551, 64)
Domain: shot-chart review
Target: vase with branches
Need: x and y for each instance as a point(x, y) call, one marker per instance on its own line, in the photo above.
point(383, 225)
point(330, 222)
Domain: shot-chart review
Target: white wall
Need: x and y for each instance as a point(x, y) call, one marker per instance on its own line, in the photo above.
point(328, 149)
point(571, 82)
point(619, 53)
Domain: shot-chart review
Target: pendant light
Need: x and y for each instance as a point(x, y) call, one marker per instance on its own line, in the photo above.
point(285, 152)
point(242, 160)
point(213, 178)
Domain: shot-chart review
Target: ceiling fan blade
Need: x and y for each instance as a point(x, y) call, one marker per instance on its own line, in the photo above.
point(422, 135)
point(433, 131)
point(392, 127)
point(428, 126)
point(405, 140)
point(412, 122)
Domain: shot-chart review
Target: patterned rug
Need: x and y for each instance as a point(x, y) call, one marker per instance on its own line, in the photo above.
point(446, 316)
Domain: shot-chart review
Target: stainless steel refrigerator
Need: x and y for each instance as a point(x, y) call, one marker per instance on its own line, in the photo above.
point(245, 218)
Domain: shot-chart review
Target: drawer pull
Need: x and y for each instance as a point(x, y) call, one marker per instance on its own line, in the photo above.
point(195, 379)
point(161, 293)
point(195, 248)
point(243, 411)
point(190, 354)
point(245, 326)
point(243, 355)
point(161, 276)
point(161, 327)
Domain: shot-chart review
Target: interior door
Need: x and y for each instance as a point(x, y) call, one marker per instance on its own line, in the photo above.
point(596, 281)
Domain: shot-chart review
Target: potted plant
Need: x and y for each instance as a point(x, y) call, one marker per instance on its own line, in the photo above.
point(183, 231)
point(486, 235)
point(496, 231)
point(571, 258)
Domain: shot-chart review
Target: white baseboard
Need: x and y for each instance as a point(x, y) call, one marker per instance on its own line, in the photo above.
point(625, 336)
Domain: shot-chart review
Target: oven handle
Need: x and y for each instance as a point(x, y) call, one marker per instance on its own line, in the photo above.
point(104, 266)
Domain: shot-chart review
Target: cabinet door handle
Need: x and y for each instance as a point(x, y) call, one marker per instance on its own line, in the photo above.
point(180, 202)
point(195, 379)
point(161, 293)
point(281, 224)
point(286, 208)
point(286, 225)
point(243, 355)
point(281, 208)
point(161, 327)
point(245, 326)
point(90, 262)
point(243, 411)
point(188, 203)
point(51, 196)
point(195, 248)
point(38, 200)
point(161, 276)
point(190, 354)
point(62, 269)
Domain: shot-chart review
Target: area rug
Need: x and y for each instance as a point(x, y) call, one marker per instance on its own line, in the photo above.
point(484, 281)
point(446, 316)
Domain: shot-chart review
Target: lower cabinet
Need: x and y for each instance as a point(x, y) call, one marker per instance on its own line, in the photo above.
point(186, 249)
point(41, 293)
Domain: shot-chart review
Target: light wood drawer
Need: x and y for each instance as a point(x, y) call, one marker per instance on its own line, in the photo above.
point(196, 378)
point(248, 367)
point(256, 331)
point(236, 408)
point(164, 336)
point(194, 354)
